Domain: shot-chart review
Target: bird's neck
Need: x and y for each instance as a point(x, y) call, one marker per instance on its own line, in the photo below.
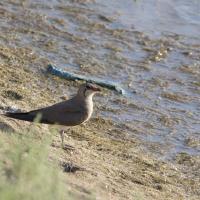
point(89, 105)
point(89, 97)
point(86, 99)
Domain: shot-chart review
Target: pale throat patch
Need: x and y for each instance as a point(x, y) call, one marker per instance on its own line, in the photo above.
point(89, 93)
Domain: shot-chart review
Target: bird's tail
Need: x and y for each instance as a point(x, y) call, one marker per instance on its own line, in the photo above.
point(32, 116)
point(21, 116)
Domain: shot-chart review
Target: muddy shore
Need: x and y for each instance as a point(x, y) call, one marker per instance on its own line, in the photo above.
point(112, 161)
point(114, 166)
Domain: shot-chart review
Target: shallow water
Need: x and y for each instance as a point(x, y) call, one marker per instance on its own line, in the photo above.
point(151, 48)
point(156, 17)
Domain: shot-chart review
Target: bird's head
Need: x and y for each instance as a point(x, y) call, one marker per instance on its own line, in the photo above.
point(88, 89)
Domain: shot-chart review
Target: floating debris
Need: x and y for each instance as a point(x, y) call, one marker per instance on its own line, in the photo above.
point(179, 97)
point(70, 76)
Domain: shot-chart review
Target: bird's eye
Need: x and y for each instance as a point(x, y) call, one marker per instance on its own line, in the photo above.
point(88, 87)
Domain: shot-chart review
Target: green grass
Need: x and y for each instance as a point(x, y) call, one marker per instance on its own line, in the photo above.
point(25, 172)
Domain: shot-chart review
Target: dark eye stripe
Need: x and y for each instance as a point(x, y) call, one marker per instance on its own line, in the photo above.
point(88, 86)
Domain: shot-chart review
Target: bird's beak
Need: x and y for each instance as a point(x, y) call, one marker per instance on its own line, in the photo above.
point(96, 89)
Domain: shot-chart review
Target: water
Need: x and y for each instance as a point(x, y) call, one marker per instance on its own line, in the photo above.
point(150, 47)
point(156, 17)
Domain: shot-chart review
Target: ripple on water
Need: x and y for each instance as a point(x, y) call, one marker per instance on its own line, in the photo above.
point(153, 52)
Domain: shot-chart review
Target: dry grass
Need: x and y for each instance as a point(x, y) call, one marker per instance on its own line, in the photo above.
point(25, 169)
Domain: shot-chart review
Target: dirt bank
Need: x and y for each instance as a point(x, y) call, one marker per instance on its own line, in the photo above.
point(110, 164)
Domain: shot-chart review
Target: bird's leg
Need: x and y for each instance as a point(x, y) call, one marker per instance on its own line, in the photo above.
point(64, 146)
point(62, 132)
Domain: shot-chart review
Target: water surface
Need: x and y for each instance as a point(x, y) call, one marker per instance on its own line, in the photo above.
point(150, 47)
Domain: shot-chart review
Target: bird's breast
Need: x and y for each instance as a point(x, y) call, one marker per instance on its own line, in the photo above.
point(89, 110)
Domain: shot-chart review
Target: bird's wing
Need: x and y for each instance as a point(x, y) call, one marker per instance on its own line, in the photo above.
point(47, 115)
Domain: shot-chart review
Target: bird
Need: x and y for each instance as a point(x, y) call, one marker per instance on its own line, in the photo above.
point(71, 112)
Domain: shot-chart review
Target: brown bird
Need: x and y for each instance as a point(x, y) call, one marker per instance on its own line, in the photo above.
point(71, 112)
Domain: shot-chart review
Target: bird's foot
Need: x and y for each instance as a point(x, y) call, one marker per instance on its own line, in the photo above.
point(65, 147)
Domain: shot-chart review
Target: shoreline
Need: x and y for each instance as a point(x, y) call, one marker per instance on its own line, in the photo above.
point(114, 166)
point(122, 152)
